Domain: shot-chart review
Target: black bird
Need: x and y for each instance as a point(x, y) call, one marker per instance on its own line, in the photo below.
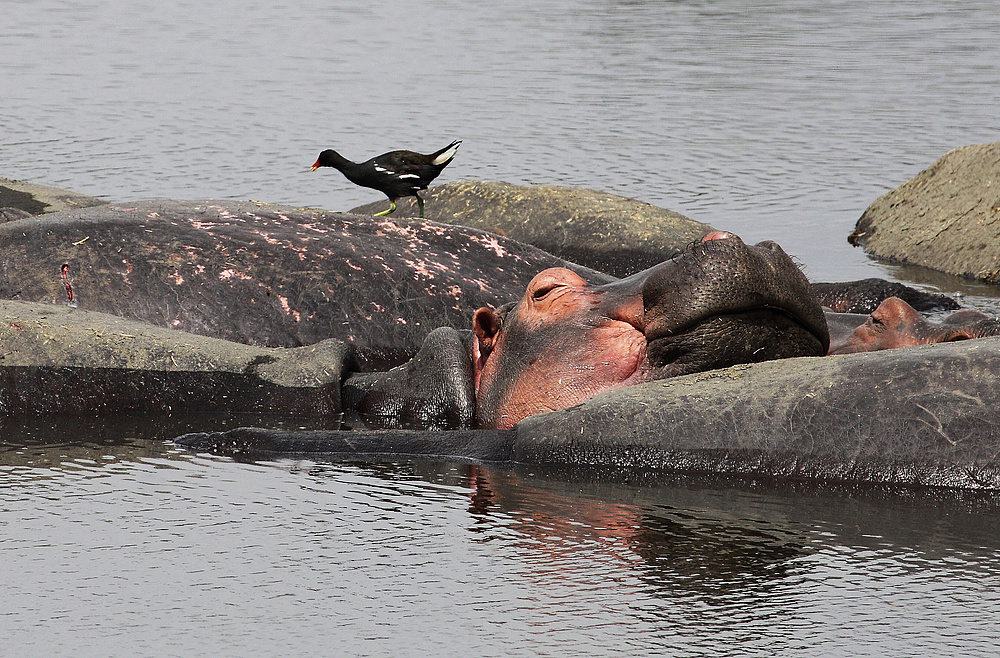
point(396, 174)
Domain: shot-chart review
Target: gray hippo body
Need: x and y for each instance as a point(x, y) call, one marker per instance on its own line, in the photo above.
point(915, 417)
point(269, 276)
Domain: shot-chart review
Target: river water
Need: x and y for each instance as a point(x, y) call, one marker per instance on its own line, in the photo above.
point(778, 120)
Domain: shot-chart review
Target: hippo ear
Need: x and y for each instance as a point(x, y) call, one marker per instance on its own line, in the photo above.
point(962, 333)
point(486, 324)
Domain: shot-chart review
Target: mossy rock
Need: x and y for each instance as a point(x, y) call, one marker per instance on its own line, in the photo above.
point(946, 218)
point(606, 232)
point(19, 199)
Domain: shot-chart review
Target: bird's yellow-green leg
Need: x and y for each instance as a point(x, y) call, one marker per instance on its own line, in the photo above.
point(392, 209)
point(420, 204)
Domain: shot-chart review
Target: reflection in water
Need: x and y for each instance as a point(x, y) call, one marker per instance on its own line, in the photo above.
point(213, 554)
point(674, 552)
point(810, 567)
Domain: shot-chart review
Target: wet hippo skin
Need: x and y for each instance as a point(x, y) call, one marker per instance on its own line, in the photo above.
point(894, 324)
point(934, 428)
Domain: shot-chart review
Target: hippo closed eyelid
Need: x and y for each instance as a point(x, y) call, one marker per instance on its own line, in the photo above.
point(541, 292)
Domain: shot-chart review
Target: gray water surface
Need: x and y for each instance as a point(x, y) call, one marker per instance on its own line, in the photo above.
point(135, 548)
point(778, 120)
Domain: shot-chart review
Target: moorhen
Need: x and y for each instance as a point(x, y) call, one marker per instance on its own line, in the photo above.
point(396, 174)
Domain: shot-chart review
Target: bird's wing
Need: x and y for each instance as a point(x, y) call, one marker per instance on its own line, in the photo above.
point(405, 162)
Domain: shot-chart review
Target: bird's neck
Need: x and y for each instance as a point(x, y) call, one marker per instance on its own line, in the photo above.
point(337, 161)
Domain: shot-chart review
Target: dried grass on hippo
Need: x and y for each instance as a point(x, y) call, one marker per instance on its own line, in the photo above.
point(412, 325)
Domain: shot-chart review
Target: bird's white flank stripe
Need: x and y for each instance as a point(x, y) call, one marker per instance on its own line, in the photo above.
point(383, 170)
point(408, 176)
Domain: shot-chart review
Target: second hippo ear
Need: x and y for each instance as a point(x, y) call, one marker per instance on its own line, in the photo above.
point(486, 323)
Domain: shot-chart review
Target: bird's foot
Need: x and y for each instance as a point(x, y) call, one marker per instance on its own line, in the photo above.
point(392, 209)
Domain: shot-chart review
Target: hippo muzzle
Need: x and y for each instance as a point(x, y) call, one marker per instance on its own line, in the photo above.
point(725, 303)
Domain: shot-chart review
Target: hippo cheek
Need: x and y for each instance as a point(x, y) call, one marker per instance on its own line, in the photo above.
point(554, 374)
point(725, 340)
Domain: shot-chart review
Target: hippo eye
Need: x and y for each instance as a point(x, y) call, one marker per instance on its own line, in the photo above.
point(540, 293)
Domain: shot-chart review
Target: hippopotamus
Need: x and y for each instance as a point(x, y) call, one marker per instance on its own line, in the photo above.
point(894, 324)
point(718, 303)
point(676, 326)
point(267, 275)
point(898, 417)
point(864, 295)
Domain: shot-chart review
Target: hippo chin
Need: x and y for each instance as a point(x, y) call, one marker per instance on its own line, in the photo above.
point(718, 303)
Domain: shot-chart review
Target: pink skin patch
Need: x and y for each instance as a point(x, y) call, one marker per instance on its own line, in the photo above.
point(225, 275)
point(423, 268)
point(494, 245)
point(204, 226)
point(288, 309)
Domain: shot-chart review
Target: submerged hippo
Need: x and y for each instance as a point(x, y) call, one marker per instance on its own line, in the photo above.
point(923, 416)
point(896, 324)
point(719, 303)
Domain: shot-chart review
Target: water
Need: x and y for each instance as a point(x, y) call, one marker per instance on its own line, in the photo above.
point(135, 548)
point(776, 121)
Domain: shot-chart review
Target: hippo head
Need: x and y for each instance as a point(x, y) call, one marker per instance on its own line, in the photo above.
point(718, 303)
point(894, 323)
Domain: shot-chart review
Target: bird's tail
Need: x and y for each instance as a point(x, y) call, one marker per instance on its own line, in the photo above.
point(445, 155)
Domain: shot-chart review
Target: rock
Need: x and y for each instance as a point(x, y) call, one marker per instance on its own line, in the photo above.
point(946, 218)
point(602, 231)
point(58, 360)
point(37, 199)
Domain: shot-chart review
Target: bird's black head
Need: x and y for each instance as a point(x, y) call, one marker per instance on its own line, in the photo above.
point(328, 158)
